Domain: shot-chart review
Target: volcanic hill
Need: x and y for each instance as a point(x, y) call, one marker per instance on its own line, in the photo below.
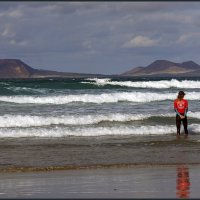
point(166, 68)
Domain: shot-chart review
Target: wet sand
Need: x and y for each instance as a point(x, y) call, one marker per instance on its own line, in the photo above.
point(103, 167)
point(175, 181)
point(69, 153)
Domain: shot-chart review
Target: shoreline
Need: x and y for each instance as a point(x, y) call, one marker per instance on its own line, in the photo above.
point(97, 153)
point(135, 181)
point(102, 166)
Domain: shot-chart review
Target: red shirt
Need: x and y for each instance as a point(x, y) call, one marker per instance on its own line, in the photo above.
point(180, 105)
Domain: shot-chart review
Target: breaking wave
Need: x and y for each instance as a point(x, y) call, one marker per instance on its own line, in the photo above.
point(173, 83)
point(138, 97)
point(8, 121)
point(28, 121)
point(101, 131)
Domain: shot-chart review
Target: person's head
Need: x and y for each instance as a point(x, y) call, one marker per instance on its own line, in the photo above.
point(181, 95)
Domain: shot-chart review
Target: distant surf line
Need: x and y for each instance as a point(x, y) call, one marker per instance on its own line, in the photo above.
point(162, 84)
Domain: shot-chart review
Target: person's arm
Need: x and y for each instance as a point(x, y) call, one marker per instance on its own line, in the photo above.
point(185, 113)
point(186, 108)
point(175, 109)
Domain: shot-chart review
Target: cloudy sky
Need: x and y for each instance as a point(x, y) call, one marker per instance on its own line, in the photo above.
point(99, 37)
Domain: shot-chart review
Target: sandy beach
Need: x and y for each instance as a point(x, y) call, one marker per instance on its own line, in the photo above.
point(122, 167)
point(175, 181)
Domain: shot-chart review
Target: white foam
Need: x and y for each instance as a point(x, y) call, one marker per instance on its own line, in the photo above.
point(99, 81)
point(7, 121)
point(147, 84)
point(3, 83)
point(26, 89)
point(64, 132)
point(194, 114)
point(29, 121)
point(100, 131)
point(138, 97)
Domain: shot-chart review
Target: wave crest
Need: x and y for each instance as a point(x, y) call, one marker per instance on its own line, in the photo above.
point(101, 131)
point(138, 97)
point(163, 84)
point(7, 121)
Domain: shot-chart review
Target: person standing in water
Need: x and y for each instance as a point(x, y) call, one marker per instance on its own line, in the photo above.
point(181, 108)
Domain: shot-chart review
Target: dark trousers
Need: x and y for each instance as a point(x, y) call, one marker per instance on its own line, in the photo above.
point(178, 124)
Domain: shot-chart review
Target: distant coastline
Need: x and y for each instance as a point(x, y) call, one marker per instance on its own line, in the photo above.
point(15, 68)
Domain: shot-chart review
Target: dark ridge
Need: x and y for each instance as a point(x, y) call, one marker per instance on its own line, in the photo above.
point(15, 68)
point(166, 68)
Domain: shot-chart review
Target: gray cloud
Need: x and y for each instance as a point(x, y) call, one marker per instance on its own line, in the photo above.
point(98, 37)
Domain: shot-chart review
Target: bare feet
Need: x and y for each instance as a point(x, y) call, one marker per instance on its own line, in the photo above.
point(178, 135)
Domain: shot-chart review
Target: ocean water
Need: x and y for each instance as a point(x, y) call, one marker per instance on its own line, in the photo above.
point(94, 107)
point(96, 121)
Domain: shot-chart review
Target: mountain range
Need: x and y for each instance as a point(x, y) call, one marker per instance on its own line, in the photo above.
point(166, 68)
point(15, 68)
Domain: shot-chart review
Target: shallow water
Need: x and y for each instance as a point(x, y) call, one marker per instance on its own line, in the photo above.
point(84, 151)
point(178, 181)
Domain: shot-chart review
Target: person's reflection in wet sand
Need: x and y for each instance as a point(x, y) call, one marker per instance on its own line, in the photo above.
point(183, 182)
